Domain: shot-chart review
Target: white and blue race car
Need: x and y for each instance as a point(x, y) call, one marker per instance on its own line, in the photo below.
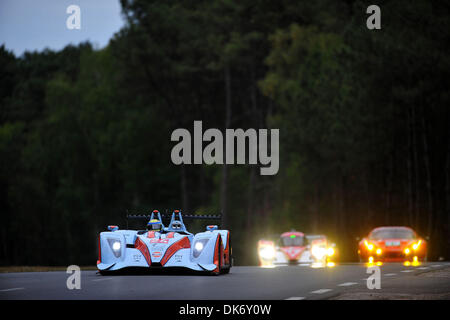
point(169, 247)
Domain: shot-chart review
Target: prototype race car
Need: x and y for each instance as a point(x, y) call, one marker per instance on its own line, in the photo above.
point(392, 244)
point(322, 250)
point(297, 248)
point(291, 248)
point(160, 247)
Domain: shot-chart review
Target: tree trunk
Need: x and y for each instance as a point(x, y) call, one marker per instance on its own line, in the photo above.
point(416, 168)
point(426, 159)
point(184, 189)
point(447, 193)
point(252, 177)
point(315, 209)
point(342, 213)
point(224, 184)
point(387, 213)
point(250, 202)
point(409, 166)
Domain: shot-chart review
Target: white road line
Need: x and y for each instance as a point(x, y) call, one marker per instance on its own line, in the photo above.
point(304, 264)
point(390, 274)
point(102, 279)
point(295, 298)
point(320, 291)
point(347, 284)
point(12, 289)
point(423, 268)
point(407, 271)
point(436, 265)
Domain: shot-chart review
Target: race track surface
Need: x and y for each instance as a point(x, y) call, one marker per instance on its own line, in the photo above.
point(243, 283)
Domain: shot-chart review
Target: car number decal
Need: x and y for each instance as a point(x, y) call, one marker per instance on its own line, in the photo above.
point(392, 243)
point(159, 241)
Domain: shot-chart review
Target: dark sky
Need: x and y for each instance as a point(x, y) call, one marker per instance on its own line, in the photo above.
point(38, 24)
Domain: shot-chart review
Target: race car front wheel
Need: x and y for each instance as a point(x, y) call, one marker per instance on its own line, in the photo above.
point(227, 268)
point(218, 256)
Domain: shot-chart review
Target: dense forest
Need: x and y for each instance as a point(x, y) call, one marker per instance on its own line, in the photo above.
point(364, 122)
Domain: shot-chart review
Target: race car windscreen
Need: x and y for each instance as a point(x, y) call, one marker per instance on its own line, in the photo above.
point(392, 234)
point(292, 241)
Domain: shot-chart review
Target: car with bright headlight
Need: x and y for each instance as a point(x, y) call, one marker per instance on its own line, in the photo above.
point(322, 249)
point(392, 244)
point(290, 248)
point(171, 247)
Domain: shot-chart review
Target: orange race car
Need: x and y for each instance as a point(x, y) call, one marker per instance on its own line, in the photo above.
point(392, 244)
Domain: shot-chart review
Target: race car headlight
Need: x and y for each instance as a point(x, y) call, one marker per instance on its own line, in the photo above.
point(267, 253)
point(369, 245)
point(318, 252)
point(330, 251)
point(115, 246)
point(416, 246)
point(199, 245)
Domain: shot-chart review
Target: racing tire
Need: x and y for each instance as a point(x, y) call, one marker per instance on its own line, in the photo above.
point(227, 269)
point(219, 257)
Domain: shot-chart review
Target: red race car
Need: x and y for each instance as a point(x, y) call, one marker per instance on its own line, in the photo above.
point(392, 244)
point(290, 248)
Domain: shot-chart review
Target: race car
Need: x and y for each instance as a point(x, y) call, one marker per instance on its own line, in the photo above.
point(297, 248)
point(160, 247)
point(392, 244)
point(322, 250)
point(291, 248)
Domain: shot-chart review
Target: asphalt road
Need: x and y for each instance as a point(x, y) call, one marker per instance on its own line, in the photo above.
point(243, 283)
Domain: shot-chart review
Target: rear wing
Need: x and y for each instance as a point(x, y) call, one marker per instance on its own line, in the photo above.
point(167, 216)
point(176, 215)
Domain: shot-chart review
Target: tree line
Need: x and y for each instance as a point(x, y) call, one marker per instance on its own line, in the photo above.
point(363, 118)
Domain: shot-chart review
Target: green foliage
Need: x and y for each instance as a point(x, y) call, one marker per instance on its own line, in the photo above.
point(363, 118)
